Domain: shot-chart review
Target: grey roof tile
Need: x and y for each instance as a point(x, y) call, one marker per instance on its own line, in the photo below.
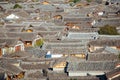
point(102, 57)
point(8, 41)
point(36, 74)
point(34, 66)
point(7, 67)
point(91, 66)
point(25, 36)
point(82, 35)
point(47, 7)
point(105, 42)
point(113, 73)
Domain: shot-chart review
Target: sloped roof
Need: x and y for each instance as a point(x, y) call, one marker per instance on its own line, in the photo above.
point(109, 37)
point(36, 60)
point(58, 61)
point(34, 66)
point(25, 36)
point(1, 45)
point(37, 52)
point(45, 26)
point(106, 42)
point(64, 76)
point(59, 76)
point(18, 54)
point(68, 51)
point(102, 57)
point(112, 50)
point(48, 33)
point(73, 19)
point(10, 11)
point(13, 26)
point(9, 68)
point(114, 73)
point(64, 6)
point(13, 30)
point(52, 45)
point(91, 66)
point(107, 21)
point(35, 75)
point(41, 28)
point(47, 7)
point(2, 34)
point(22, 14)
point(114, 0)
point(64, 59)
point(9, 60)
point(82, 35)
point(8, 41)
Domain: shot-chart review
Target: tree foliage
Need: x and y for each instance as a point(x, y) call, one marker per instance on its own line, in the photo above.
point(39, 42)
point(88, 0)
point(108, 30)
point(17, 6)
point(75, 1)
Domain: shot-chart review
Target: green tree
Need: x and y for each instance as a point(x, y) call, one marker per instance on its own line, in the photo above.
point(17, 6)
point(39, 43)
point(75, 1)
point(72, 4)
point(108, 30)
point(88, 0)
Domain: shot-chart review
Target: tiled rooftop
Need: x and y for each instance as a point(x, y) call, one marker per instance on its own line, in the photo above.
point(57, 39)
point(91, 66)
